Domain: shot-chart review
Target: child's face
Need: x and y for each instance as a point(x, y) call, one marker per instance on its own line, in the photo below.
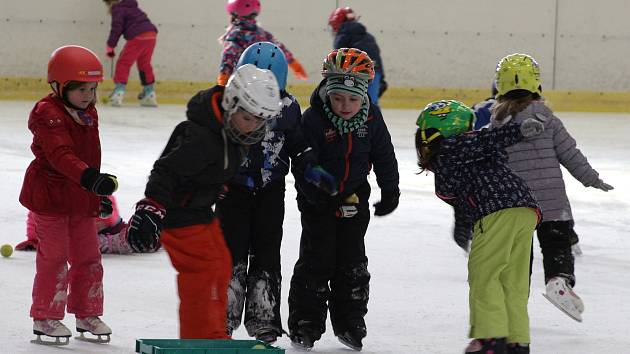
point(246, 122)
point(83, 95)
point(345, 105)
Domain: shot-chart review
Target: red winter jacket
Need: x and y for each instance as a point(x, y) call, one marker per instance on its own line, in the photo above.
point(63, 149)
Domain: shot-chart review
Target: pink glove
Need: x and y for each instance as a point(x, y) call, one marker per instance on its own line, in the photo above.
point(110, 52)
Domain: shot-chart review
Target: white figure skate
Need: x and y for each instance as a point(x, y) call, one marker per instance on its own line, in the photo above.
point(51, 328)
point(95, 326)
point(560, 293)
point(116, 98)
point(148, 100)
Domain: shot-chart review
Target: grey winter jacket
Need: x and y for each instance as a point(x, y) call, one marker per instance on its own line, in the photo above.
point(537, 160)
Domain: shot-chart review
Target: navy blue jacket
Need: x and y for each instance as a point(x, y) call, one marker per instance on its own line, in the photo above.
point(268, 160)
point(472, 174)
point(353, 34)
point(349, 157)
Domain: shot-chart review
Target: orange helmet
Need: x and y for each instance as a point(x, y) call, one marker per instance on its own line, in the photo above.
point(74, 63)
point(348, 61)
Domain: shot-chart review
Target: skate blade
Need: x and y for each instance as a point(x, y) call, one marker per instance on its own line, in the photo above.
point(97, 340)
point(59, 341)
point(574, 316)
point(301, 347)
point(349, 345)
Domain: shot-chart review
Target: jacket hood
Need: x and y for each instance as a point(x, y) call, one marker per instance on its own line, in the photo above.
point(537, 110)
point(318, 97)
point(205, 109)
point(352, 27)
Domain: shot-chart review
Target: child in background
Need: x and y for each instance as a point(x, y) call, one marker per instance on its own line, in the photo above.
point(349, 138)
point(131, 22)
point(202, 154)
point(537, 161)
point(482, 109)
point(252, 208)
point(472, 175)
point(64, 190)
point(241, 33)
point(349, 33)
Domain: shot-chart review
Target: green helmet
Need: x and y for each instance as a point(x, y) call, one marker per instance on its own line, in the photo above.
point(450, 117)
point(518, 72)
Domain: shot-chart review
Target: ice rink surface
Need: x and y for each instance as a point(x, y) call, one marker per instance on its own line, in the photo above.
point(419, 295)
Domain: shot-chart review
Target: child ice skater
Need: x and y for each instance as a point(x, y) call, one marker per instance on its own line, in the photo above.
point(252, 208)
point(350, 33)
point(537, 161)
point(244, 31)
point(65, 191)
point(472, 175)
point(141, 35)
point(349, 138)
point(202, 154)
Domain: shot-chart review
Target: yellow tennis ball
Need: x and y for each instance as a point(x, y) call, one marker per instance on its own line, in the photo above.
point(259, 346)
point(6, 250)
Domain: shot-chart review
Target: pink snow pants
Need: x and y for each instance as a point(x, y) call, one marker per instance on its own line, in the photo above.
point(139, 49)
point(63, 241)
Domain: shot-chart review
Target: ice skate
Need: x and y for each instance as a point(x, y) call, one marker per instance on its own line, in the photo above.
point(560, 293)
point(95, 326)
point(487, 346)
point(116, 98)
point(148, 99)
point(267, 335)
point(518, 348)
point(302, 342)
point(352, 340)
point(51, 328)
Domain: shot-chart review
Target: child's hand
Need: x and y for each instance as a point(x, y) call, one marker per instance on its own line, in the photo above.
point(387, 204)
point(532, 127)
point(321, 178)
point(602, 185)
point(99, 183)
point(106, 209)
point(145, 226)
point(109, 51)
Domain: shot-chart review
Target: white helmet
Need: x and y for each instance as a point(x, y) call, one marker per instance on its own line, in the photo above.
point(256, 92)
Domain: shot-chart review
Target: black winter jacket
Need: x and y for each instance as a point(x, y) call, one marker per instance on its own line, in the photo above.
point(197, 161)
point(348, 157)
point(353, 34)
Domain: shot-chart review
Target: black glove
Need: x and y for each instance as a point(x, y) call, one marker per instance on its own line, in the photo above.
point(99, 183)
point(387, 204)
point(349, 208)
point(145, 225)
point(106, 208)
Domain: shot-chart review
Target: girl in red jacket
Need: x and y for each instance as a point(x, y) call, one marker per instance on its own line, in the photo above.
point(65, 191)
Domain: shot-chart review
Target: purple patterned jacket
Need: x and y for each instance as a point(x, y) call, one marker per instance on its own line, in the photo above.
point(128, 20)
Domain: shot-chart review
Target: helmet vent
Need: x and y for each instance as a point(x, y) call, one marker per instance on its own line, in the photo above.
point(516, 79)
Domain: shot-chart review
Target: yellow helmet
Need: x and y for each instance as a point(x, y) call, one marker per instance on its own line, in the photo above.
point(518, 72)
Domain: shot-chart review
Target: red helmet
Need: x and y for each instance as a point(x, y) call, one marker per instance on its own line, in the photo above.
point(74, 63)
point(243, 8)
point(339, 16)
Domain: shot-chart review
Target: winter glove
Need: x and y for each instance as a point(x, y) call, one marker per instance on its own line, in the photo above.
point(99, 183)
point(602, 185)
point(349, 208)
point(298, 70)
point(532, 127)
point(321, 178)
point(109, 51)
point(387, 204)
point(145, 225)
point(106, 208)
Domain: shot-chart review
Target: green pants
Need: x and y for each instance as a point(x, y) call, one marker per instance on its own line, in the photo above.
point(498, 275)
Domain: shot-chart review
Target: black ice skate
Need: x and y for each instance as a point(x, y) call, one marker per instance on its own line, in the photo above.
point(352, 338)
point(51, 328)
point(96, 327)
point(516, 348)
point(267, 335)
point(302, 341)
point(487, 346)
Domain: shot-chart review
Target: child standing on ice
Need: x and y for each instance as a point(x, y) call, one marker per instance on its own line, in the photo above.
point(141, 35)
point(537, 161)
point(472, 175)
point(242, 32)
point(203, 153)
point(349, 138)
point(65, 190)
point(252, 208)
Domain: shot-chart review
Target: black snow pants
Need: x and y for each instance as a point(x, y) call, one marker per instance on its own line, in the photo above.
point(556, 239)
point(331, 272)
point(252, 225)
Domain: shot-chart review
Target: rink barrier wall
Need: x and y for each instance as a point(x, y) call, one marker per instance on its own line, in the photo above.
point(179, 92)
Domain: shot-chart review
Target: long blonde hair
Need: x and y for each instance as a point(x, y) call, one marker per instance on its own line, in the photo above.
point(510, 105)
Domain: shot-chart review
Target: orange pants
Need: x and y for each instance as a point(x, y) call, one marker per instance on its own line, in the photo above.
point(204, 268)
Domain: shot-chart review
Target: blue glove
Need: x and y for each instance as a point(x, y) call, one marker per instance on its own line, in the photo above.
point(321, 178)
point(145, 225)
